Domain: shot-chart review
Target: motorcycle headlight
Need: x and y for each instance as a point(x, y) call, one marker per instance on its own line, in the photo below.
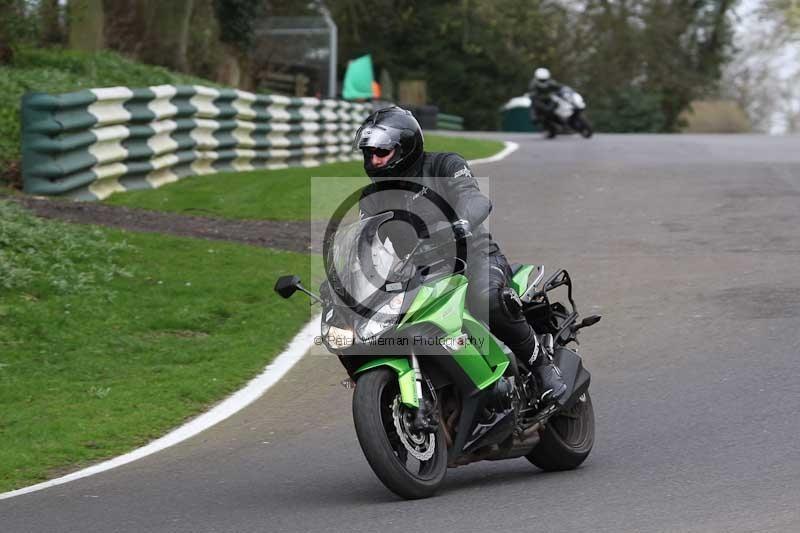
point(338, 338)
point(385, 318)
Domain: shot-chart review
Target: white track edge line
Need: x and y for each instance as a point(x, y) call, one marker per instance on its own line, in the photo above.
point(232, 404)
point(237, 401)
point(510, 147)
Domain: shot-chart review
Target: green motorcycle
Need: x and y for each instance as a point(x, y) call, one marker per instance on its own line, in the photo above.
point(433, 387)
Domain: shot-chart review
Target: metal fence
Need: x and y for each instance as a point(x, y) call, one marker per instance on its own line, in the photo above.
point(90, 144)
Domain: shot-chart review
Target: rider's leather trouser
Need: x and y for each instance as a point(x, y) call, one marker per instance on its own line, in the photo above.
point(488, 275)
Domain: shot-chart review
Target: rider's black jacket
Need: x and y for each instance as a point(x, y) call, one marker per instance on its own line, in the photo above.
point(438, 173)
point(540, 94)
point(449, 176)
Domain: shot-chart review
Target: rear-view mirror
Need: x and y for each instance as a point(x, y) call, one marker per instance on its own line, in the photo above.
point(287, 285)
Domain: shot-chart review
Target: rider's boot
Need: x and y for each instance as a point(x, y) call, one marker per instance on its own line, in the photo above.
point(548, 377)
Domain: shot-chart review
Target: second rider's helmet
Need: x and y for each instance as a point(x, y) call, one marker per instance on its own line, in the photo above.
point(390, 128)
point(541, 76)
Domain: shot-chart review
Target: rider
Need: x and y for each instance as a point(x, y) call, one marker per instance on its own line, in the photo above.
point(541, 89)
point(392, 144)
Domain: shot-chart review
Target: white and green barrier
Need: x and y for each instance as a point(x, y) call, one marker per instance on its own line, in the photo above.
point(449, 122)
point(92, 143)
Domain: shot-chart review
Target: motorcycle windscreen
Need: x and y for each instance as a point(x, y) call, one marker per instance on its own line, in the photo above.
point(359, 264)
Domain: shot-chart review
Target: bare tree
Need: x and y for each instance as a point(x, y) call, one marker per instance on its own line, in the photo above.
point(764, 76)
point(52, 31)
point(166, 39)
point(86, 25)
point(7, 11)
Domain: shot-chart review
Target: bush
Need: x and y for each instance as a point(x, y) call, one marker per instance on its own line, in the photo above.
point(631, 110)
point(39, 256)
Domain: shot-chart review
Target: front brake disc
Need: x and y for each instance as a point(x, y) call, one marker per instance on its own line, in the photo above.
point(415, 442)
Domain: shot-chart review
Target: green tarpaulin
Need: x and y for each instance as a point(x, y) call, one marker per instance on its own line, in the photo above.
point(358, 79)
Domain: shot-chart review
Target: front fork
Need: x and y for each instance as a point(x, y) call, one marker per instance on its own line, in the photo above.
point(417, 377)
point(425, 417)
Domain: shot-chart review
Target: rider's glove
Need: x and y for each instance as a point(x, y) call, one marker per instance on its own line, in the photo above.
point(462, 229)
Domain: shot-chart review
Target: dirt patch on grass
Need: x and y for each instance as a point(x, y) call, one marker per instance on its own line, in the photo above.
point(11, 175)
point(293, 236)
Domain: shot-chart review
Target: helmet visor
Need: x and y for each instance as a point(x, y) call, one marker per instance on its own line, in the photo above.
point(371, 136)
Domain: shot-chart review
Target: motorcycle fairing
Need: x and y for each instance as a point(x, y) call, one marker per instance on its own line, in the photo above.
point(519, 281)
point(442, 304)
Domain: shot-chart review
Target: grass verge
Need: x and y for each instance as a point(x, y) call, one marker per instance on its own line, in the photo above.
point(91, 373)
point(272, 194)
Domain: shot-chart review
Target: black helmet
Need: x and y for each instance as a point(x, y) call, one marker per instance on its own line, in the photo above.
point(390, 128)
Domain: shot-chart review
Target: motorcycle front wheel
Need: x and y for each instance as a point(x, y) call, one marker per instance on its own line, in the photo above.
point(580, 124)
point(410, 464)
point(568, 438)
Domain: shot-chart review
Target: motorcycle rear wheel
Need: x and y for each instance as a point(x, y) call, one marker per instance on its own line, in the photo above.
point(374, 400)
point(567, 440)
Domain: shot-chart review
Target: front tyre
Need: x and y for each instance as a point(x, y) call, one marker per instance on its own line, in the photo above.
point(410, 464)
point(581, 124)
point(568, 438)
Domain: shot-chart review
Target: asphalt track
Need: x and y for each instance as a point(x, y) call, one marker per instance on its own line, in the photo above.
point(689, 246)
